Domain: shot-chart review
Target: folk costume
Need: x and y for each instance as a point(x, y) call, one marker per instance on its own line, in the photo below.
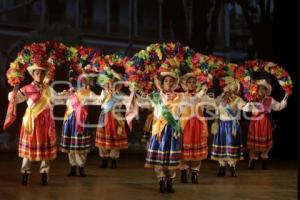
point(164, 148)
point(37, 136)
point(75, 139)
point(195, 132)
point(111, 135)
point(227, 145)
point(260, 139)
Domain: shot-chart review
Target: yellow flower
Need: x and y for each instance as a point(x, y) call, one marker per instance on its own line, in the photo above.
point(197, 71)
point(159, 54)
point(174, 62)
point(14, 65)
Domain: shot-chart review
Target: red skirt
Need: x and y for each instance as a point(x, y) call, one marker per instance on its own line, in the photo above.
point(108, 137)
point(260, 135)
point(41, 144)
point(194, 141)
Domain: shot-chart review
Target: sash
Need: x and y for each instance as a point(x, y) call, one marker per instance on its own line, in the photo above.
point(33, 111)
point(11, 113)
point(235, 123)
point(131, 109)
point(167, 115)
point(81, 113)
point(106, 107)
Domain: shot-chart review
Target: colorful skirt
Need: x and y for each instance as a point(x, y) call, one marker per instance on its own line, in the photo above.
point(225, 145)
point(41, 144)
point(71, 141)
point(113, 135)
point(260, 134)
point(166, 153)
point(194, 141)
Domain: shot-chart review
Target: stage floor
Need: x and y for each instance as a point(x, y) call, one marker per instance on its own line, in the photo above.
point(132, 181)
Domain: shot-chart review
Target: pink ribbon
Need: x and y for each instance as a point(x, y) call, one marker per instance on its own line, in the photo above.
point(80, 113)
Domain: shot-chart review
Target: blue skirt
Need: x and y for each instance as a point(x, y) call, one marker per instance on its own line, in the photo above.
point(225, 145)
point(166, 153)
point(71, 142)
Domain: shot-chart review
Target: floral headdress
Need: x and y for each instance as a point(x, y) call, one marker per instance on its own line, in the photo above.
point(46, 55)
point(110, 67)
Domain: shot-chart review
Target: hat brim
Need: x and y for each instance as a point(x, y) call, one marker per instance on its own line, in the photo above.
point(31, 68)
point(159, 85)
point(229, 82)
point(265, 85)
point(185, 78)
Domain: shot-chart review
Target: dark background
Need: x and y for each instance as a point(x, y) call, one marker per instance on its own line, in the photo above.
point(257, 29)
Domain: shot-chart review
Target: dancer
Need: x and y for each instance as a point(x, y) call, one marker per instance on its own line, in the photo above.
point(164, 147)
point(227, 146)
point(75, 139)
point(37, 135)
point(260, 138)
point(194, 125)
point(111, 135)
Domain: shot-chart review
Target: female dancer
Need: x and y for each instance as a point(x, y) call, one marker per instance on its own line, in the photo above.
point(111, 135)
point(164, 147)
point(37, 135)
point(75, 139)
point(227, 146)
point(194, 125)
point(260, 138)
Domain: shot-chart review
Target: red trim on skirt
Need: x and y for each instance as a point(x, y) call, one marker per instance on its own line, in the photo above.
point(41, 144)
point(194, 142)
point(108, 136)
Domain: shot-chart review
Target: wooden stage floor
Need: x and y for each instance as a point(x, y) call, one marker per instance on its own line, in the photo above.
point(133, 182)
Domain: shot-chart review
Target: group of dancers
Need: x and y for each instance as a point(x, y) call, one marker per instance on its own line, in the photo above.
point(177, 127)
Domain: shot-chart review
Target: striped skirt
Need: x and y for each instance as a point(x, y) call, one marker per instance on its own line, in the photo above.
point(260, 136)
point(225, 145)
point(194, 141)
point(113, 135)
point(166, 153)
point(41, 144)
point(71, 141)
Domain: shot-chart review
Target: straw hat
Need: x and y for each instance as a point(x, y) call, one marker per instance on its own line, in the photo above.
point(184, 80)
point(231, 84)
point(33, 67)
point(265, 84)
point(158, 81)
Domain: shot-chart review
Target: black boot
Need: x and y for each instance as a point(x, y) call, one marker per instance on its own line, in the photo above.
point(25, 178)
point(81, 172)
point(113, 163)
point(104, 163)
point(162, 186)
point(44, 179)
point(170, 188)
point(184, 176)
point(222, 171)
point(194, 177)
point(233, 172)
point(72, 171)
point(264, 165)
point(251, 164)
